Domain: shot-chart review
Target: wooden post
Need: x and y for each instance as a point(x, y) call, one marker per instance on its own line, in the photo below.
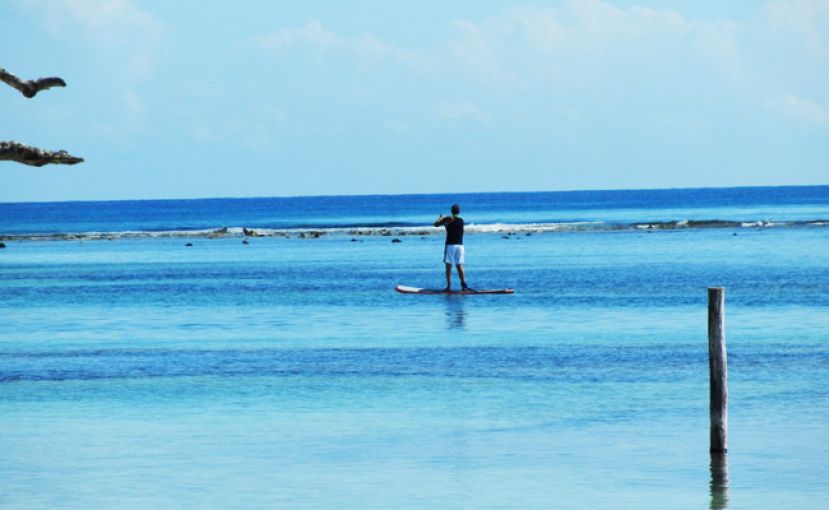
point(719, 481)
point(718, 371)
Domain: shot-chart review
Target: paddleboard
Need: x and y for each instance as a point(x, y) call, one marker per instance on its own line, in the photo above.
point(404, 289)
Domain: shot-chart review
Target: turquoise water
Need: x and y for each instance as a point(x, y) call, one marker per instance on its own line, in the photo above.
point(287, 372)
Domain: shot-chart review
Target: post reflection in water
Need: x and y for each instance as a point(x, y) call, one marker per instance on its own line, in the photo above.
point(719, 481)
point(455, 313)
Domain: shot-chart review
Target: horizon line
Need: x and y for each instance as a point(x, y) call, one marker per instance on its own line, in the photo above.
point(462, 193)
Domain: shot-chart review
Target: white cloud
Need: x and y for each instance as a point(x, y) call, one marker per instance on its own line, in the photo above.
point(806, 21)
point(580, 29)
point(463, 110)
point(644, 55)
point(579, 24)
point(314, 35)
point(131, 35)
point(474, 49)
point(805, 109)
point(132, 103)
point(119, 45)
point(717, 42)
point(112, 19)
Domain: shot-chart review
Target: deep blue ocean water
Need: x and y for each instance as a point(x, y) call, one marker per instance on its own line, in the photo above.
point(608, 209)
point(138, 371)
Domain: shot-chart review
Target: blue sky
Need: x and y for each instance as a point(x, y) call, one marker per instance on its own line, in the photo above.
point(208, 99)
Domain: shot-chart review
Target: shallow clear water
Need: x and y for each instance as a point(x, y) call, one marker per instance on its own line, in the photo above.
point(288, 373)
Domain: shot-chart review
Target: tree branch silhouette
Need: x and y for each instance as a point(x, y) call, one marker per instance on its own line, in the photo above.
point(31, 87)
point(28, 155)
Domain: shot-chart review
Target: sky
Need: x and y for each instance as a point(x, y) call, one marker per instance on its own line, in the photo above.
point(275, 98)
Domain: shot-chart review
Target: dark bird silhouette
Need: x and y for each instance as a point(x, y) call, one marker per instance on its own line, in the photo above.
point(31, 87)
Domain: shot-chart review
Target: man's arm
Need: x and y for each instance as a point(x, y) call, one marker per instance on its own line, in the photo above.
point(443, 220)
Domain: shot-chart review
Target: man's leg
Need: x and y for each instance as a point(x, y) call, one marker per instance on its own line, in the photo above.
point(462, 275)
point(448, 276)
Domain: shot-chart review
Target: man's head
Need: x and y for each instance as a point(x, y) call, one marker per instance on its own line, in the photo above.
point(456, 209)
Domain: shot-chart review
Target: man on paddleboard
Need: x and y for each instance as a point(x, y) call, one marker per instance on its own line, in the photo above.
point(453, 251)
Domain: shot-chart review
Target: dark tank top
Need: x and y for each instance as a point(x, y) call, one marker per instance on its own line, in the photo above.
point(454, 231)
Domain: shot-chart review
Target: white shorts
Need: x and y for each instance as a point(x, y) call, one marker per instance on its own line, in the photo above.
point(453, 254)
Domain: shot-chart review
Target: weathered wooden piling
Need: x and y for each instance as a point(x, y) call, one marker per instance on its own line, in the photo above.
point(719, 481)
point(718, 371)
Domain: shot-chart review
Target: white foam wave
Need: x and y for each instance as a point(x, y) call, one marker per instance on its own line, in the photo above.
point(760, 223)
